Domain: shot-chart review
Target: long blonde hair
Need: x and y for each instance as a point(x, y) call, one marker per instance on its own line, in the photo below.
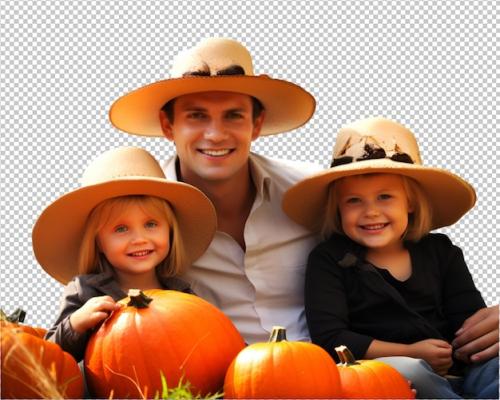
point(92, 260)
point(419, 220)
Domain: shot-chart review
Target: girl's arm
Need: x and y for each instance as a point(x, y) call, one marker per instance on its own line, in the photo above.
point(435, 351)
point(78, 317)
point(62, 332)
point(326, 306)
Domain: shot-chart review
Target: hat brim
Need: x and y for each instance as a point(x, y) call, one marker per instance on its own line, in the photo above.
point(449, 195)
point(58, 232)
point(287, 105)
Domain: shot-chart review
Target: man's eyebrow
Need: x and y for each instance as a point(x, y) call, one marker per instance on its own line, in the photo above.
point(193, 107)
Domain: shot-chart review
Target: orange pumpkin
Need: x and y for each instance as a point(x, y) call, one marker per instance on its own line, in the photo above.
point(370, 379)
point(15, 321)
point(161, 331)
point(35, 368)
point(282, 369)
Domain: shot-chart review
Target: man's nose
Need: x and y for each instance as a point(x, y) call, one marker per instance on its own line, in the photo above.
point(215, 130)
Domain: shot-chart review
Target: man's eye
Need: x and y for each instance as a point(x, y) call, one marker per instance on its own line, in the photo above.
point(196, 115)
point(235, 115)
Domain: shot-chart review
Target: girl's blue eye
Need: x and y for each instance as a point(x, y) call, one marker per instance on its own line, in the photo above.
point(121, 228)
point(353, 200)
point(385, 196)
point(151, 224)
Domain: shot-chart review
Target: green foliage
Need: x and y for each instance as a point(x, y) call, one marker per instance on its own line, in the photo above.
point(181, 391)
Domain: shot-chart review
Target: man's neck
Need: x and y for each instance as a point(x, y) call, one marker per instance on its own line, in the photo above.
point(232, 199)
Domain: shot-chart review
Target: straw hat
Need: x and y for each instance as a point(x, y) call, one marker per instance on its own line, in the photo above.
point(58, 232)
point(212, 65)
point(379, 145)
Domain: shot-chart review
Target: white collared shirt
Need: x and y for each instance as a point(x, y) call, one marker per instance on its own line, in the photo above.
point(264, 285)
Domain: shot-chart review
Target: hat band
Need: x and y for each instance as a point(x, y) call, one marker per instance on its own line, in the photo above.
point(372, 153)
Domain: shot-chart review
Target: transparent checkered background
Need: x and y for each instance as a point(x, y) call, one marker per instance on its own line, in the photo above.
point(430, 65)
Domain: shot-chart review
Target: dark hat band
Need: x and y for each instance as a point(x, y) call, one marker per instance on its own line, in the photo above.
point(372, 153)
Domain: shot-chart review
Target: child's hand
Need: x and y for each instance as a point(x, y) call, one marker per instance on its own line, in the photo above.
point(477, 339)
point(436, 352)
point(92, 312)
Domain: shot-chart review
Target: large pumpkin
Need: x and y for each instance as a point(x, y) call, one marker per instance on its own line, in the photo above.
point(370, 379)
point(161, 331)
point(282, 369)
point(35, 368)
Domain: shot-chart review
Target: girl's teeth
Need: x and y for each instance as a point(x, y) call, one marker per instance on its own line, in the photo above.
point(374, 227)
point(215, 153)
point(140, 253)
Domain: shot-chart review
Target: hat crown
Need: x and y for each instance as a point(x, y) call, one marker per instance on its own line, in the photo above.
point(366, 136)
point(121, 163)
point(211, 56)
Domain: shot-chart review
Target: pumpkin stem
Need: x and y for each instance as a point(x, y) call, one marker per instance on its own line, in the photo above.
point(278, 334)
point(345, 355)
point(16, 317)
point(138, 299)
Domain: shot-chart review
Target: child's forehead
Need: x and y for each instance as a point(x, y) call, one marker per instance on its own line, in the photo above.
point(386, 179)
point(123, 207)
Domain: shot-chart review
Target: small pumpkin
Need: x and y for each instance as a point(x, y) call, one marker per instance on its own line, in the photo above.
point(161, 331)
point(35, 368)
point(16, 319)
point(370, 379)
point(282, 369)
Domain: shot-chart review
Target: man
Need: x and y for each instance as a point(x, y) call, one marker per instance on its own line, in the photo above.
point(212, 108)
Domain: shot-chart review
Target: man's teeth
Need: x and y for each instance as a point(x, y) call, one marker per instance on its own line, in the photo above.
point(374, 227)
point(216, 153)
point(140, 253)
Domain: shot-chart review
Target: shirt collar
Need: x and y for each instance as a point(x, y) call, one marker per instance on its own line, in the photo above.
point(261, 178)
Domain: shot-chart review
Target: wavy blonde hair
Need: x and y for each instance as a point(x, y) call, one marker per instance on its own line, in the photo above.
point(92, 260)
point(419, 220)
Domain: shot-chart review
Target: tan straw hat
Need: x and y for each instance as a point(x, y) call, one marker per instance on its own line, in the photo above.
point(379, 145)
point(215, 64)
point(58, 232)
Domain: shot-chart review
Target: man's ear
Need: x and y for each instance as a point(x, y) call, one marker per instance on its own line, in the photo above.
point(257, 125)
point(166, 126)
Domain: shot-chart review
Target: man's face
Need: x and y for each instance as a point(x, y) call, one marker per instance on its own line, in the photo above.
point(212, 132)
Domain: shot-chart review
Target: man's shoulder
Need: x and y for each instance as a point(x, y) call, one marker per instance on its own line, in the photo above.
point(290, 171)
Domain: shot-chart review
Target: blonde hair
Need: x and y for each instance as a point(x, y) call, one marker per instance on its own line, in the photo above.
point(92, 260)
point(419, 220)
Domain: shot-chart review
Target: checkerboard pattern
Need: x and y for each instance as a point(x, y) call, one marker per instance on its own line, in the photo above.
point(433, 66)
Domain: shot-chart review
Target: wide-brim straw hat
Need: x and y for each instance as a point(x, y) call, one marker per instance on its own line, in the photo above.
point(58, 232)
point(379, 145)
point(205, 68)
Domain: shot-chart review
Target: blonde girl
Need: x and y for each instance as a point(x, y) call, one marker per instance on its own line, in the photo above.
point(126, 227)
point(381, 283)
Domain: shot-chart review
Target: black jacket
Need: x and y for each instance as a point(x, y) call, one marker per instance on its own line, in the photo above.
point(349, 302)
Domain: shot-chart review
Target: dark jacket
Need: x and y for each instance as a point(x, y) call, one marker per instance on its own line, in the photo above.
point(348, 301)
point(77, 292)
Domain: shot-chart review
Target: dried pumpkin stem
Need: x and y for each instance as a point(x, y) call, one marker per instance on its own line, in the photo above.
point(278, 334)
point(138, 299)
point(345, 355)
point(16, 317)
